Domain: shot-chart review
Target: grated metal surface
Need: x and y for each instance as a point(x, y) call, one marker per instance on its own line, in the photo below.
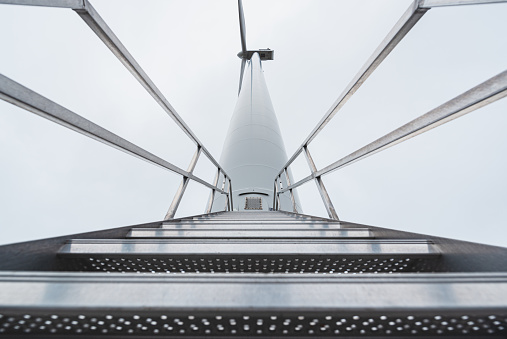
point(253, 203)
point(253, 264)
point(249, 324)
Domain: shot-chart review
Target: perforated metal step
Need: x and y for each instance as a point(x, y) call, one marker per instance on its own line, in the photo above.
point(405, 305)
point(257, 256)
point(292, 286)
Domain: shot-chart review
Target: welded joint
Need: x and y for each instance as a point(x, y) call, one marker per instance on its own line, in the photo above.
point(84, 8)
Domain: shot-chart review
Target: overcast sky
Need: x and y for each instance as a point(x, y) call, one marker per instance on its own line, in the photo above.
point(448, 182)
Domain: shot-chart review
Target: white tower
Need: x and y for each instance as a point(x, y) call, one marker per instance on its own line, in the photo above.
point(254, 151)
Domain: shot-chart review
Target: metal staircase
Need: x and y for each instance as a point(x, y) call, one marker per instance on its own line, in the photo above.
point(237, 274)
point(252, 273)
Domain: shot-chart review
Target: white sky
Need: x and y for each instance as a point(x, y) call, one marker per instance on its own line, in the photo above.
point(448, 182)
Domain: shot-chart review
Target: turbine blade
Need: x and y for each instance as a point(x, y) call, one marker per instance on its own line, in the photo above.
point(243, 62)
point(242, 27)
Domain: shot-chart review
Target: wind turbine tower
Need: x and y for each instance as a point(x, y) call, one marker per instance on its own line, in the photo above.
point(254, 151)
point(252, 265)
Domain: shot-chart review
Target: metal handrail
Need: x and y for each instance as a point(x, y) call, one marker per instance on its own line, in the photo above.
point(481, 95)
point(23, 97)
point(487, 92)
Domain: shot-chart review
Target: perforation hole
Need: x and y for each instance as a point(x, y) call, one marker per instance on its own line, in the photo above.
point(211, 264)
point(253, 324)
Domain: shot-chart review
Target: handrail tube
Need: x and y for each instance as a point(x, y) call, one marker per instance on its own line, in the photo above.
point(481, 95)
point(102, 30)
point(441, 3)
point(397, 33)
point(297, 184)
point(73, 4)
point(477, 97)
point(409, 18)
point(29, 100)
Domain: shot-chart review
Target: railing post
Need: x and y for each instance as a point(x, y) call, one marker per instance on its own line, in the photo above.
point(230, 193)
point(226, 189)
point(280, 187)
point(222, 188)
point(275, 194)
point(184, 183)
point(291, 193)
point(212, 198)
point(320, 186)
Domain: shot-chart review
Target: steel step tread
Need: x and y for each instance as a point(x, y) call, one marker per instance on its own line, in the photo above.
point(254, 232)
point(251, 225)
point(251, 221)
point(242, 304)
point(261, 247)
point(267, 255)
point(254, 221)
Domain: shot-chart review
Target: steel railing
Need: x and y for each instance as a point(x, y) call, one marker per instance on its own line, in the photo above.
point(479, 96)
point(23, 97)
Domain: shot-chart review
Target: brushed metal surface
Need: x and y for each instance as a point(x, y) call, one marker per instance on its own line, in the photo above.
point(280, 247)
point(249, 233)
point(74, 4)
point(217, 292)
point(251, 225)
point(440, 3)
